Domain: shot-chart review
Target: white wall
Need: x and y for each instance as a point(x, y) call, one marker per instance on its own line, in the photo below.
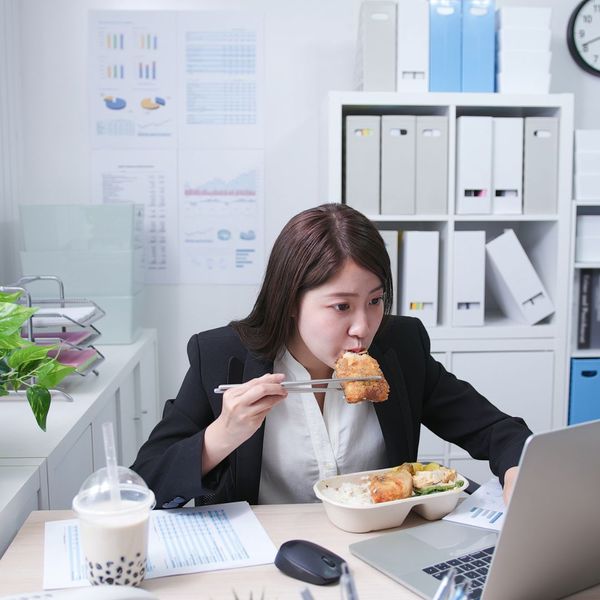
point(566, 75)
point(11, 148)
point(309, 48)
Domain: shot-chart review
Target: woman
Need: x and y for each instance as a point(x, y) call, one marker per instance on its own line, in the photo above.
point(327, 289)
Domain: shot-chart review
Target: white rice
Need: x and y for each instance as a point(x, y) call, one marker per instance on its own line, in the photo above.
point(352, 494)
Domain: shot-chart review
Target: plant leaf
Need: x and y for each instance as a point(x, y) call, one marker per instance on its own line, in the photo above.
point(3, 390)
point(10, 297)
point(4, 370)
point(12, 316)
point(39, 400)
point(30, 368)
point(52, 373)
point(11, 341)
point(21, 356)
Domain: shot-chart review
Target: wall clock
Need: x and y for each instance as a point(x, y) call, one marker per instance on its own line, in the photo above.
point(583, 36)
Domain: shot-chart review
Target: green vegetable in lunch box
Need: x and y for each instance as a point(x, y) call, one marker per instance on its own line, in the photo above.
point(438, 487)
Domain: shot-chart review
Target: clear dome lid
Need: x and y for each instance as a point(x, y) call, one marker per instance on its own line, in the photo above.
point(94, 494)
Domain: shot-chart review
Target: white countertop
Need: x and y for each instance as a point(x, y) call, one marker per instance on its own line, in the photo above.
point(13, 479)
point(20, 436)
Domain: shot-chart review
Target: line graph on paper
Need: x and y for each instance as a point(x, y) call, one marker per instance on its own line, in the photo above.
point(221, 216)
point(222, 197)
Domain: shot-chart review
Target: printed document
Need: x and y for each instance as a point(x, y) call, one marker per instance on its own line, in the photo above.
point(185, 540)
point(484, 508)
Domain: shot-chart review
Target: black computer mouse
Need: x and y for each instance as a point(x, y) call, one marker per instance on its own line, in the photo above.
point(309, 562)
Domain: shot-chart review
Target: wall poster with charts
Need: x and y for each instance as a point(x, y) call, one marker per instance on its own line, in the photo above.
point(176, 123)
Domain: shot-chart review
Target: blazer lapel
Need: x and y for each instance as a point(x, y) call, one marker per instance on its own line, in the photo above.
point(249, 455)
point(395, 415)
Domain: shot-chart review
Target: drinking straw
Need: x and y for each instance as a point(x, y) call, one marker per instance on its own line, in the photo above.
point(111, 462)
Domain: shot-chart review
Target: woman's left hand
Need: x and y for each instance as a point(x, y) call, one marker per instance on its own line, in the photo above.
point(509, 483)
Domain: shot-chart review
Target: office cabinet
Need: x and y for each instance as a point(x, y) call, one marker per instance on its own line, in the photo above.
point(517, 382)
point(20, 493)
point(505, 358)
point(107, 414)
point(584, 399)
point(125, 392)
point(67, 473)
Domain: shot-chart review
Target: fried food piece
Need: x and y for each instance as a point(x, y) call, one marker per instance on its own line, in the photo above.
point(351, 364)
point(442, 475)
point(392, 485)
point(411, 467)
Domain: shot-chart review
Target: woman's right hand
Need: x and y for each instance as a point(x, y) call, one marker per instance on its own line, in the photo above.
point(246, 406)
point(243, 412)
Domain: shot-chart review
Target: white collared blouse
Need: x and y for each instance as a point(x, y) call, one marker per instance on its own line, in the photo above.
point(302, 446)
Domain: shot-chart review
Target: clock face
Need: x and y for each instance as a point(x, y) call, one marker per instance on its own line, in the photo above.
point(583, 36)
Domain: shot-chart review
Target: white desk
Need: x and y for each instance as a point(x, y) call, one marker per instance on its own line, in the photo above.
point(21, 566)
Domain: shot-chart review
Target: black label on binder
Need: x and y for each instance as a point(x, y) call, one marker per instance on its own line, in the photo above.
point(585, 309)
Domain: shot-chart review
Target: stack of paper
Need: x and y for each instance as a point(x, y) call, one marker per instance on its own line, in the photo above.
point(186, 540)
point(524, 56)
point(587, 165)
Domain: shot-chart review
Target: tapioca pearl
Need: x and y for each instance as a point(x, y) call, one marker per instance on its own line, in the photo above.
point(119, 569)
point(127, 582)
point(131, 564)
point(128, 571)
point(90, 565)
point(110, 580)
point(98, 566)
point(138, 554)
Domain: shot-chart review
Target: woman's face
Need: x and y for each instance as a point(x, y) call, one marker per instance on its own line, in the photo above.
point(342, 314)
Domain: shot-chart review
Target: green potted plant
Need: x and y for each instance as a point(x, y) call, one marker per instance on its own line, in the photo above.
point(25, 365)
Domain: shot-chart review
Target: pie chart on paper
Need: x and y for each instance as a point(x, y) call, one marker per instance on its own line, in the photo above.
point(114, 103)
point(152, 104)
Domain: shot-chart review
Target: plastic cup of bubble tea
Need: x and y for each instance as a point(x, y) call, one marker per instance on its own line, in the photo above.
point(113, 526)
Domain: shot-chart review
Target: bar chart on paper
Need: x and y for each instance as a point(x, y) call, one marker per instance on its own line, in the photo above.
point(479, 512)
point(484, 508)
point(188, 540)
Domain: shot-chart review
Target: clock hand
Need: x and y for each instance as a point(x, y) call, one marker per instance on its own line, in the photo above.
point(585, 44)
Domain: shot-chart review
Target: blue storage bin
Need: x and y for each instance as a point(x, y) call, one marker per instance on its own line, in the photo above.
point(584, 401)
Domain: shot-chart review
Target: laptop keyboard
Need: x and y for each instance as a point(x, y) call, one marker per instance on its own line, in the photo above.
point(472, 566)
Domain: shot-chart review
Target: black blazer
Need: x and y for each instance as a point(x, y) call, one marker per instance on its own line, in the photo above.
point(421, 391)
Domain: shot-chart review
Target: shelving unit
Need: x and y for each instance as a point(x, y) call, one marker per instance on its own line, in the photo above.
point(580, 207)
point(522, 369)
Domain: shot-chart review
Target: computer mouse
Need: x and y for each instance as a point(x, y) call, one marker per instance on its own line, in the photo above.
point(309, 562)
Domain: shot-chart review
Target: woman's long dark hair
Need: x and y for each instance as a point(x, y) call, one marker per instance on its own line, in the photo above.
point(310, 249)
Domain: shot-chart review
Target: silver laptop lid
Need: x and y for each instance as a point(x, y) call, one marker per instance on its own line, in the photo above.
point(549, 545)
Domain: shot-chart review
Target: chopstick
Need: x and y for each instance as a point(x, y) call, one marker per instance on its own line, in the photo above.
point(296, 386)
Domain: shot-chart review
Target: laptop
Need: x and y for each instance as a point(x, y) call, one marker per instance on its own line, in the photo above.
point(549, 545)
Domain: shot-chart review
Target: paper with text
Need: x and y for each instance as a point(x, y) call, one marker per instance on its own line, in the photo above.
point(186, 540)
point(221, 216)
point(484, 508)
